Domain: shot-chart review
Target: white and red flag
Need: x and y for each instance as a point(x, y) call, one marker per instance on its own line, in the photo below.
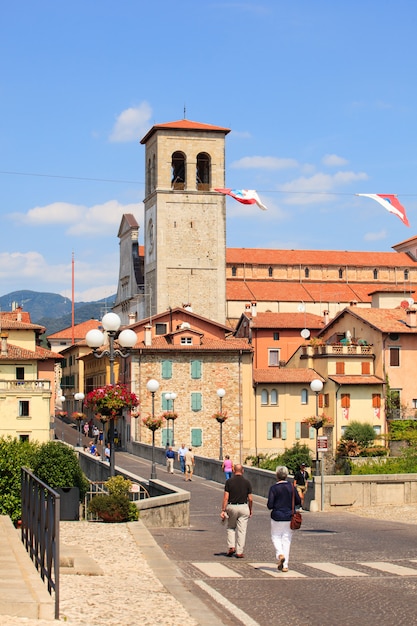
point(390, 203)
point(245, 196)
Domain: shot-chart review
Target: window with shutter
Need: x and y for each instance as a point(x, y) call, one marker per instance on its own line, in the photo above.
point(366, 367)
point(345, 398)
point(269, 430)
point(196, 403)
point(376, 400)
point(340, 367)
point(166, 369)
point(196, 367)
point(196, 437)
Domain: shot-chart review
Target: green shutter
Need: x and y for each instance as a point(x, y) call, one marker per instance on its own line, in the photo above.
point(269, 430)
point(166, 369)
point(311, 432)
point(196, 401)
point(283, 430)
point(165, 403)
point(298, 430)
point(166, 436)
point(196, 437)
point(196, 369)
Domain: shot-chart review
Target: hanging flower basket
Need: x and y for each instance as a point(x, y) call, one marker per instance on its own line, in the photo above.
point(323, 420)
point(78, 416)
point(153, 423)
point(170, 415)
point(61, 413)
point(220, 416)
point(111, 400)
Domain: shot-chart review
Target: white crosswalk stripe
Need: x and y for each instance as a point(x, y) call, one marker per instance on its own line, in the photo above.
point(336, 570)
point(391, 568)
point(212, 569)
point(216, 570)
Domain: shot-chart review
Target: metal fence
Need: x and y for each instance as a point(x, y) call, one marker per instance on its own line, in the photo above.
point(137, 492)
point(40, 529)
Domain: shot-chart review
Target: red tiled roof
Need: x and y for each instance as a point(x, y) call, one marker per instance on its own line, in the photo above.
point(184, 125)
point(232, 344)
point(16, 353)
point(80, 330)
point(303, 258)
point(286, 320)
point(287, 291)
point(285, 375)
point(357, 380)
point(9, 321)
point(384, 320)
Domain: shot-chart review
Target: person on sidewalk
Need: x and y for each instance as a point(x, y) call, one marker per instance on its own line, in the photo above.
point(227, 467)
point(181, 456)
point(189, 464)
point(170, 456)
point(301, 481)
point(237, 509)
point(280, 504)
point(107, 452)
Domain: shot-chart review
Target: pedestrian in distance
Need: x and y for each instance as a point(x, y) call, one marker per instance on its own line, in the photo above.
point(280, 504)
point(170, 456)
point(237, 509)
point(301, 477)
point(227, 467)
point(189, 464)
point(107, 452)
point(181, 456)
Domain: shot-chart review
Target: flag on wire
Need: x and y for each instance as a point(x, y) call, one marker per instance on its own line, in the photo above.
point(245, 196)
point(390, 203)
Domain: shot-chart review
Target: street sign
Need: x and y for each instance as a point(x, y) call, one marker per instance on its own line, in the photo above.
point(322, 444)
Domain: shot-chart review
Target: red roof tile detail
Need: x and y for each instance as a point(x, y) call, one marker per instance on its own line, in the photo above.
point(286, 320)
point(80, 330)
point(184, 125)
point(357, 380)
point(385, 320)
point(16, 353)
point(285, 375)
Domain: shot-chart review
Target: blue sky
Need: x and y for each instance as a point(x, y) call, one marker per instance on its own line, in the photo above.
point(320, 96)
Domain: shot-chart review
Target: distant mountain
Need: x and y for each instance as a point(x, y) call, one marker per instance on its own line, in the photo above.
point(54, 311)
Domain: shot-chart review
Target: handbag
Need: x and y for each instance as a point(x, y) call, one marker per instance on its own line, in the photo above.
point(296, 517)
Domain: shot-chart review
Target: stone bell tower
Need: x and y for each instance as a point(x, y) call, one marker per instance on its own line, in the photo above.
point(185, 220)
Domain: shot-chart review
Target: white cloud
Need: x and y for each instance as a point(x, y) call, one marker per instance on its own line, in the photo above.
point(266, 163)
point(382, 234)
point(333, 160)
point(131, 124)
point(26, 264)
point(81, 220)
point(307, 190)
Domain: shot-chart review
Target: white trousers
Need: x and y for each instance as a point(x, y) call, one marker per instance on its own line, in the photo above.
point(281, 535)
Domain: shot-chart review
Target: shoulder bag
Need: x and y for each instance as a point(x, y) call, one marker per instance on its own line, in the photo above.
point(296, 518)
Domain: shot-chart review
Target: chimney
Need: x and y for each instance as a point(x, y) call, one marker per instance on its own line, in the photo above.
point(247, 307)
point(253, 309)
point(3, 338)
point(326, 317)
point(148, 335)
point(353, 302)
point(411, 318)
point(132, 318)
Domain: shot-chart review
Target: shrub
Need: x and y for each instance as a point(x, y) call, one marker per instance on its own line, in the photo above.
point(14, 455)
point(291, 458)
point(57, 465)
point(116, 506)
point(362, 434)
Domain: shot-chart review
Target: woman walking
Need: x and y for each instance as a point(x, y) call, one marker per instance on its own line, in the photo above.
point(280, 504)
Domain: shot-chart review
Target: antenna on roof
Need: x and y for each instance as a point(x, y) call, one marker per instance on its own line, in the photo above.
point(184, 112)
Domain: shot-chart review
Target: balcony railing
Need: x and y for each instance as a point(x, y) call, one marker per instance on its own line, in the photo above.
point(338, 348)
point(25, 385)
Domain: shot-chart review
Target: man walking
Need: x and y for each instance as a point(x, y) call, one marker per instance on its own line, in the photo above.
point(181, 456)
point(301, 481)
point(170, 456)
point(237, 509)
point(189, 464)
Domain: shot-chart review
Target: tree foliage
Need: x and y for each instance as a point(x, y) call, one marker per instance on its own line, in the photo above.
point(57, 465)
point(14, 455)
point(291, 458)
point(361, 433)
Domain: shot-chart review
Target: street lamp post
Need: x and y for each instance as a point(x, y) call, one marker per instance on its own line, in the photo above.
point(62, 400)
point(221, 393)
point(96, 339)
point(152, 385)
point(316, 385)
point(79, 397)
point(171, 396)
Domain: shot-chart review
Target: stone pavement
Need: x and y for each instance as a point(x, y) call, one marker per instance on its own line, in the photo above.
point(120, 576)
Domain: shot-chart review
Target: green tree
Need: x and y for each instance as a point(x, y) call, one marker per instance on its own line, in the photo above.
point(57, 465)
point(362, 434)
point(14, 455)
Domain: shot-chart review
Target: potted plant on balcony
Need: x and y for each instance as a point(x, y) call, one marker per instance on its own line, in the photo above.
point(220, 416)
point(153, 422)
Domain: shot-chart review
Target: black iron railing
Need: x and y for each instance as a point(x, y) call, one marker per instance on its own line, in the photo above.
point(40, 529)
